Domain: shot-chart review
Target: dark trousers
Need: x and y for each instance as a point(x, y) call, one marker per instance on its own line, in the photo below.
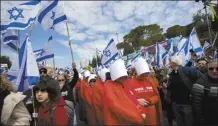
point(183, 114)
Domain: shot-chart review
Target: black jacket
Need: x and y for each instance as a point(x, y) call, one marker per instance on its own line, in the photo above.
point(205, 101)
point(67, 90)
point(188, 75)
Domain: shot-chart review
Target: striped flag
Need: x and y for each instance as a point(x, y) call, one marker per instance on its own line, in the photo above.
point(46, 52)
point(11, 39)
point(28, 74)
point(206, 45)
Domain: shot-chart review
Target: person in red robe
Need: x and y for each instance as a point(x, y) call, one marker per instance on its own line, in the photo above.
point(82, 89)
point(147, 93)
point(88, 99)
point(98, 92)
point(120, 104)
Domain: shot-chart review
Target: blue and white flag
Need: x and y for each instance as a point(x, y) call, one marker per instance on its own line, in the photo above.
point(46, 52)
point(110, 53)
point(52, 15)
point(146, 55)
point(12, 77)
point(11, 39)
point(195, 43)
point(170, 50)
point(28, 70)
point(160, 54)
point(135, 58)
point(18, 14)
point(206, 45)
point(167, 61)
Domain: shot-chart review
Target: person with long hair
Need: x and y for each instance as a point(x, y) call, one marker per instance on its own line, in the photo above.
point(12, 109)
point(48, 103)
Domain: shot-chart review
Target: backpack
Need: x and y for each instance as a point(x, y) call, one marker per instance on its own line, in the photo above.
point(69, 111)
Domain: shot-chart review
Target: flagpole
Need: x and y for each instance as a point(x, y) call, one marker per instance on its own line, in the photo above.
point(17, 42)
point(71, 50)
point(54, 65)
point(34, 109)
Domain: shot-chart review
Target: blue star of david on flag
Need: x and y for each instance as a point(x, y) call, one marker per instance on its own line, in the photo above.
point(107, 53)
point(15, 13)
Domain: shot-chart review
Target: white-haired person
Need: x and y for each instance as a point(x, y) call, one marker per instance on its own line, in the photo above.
point(181, 82)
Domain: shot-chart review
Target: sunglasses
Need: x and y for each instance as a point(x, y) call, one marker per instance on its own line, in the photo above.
point(212, 68)
point(42, 72)
point(61, 80)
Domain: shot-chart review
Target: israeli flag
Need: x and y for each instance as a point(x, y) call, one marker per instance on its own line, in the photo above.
point(46, 52)
point(18, 14)
point(11, 39)
point(160, 54)
point(135, 58)
point(110, 53)
point(129, 65)
point(12, 77)
point(167, 61)
point(195, 43)
point(28, 74)
point(170, 46)
point(206, 45)
point(52, 15)
point(146, 55)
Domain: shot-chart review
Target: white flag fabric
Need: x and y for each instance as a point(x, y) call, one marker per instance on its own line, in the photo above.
point(206, 45)
point(170, 51)
point(160, 54)
point(28, 69)
point(18, 14)
point(12, 77)
point(52, 15)
point(167, 61)
point(195, 43)
point(110, 53)
point(11, 39)
point(46, 52)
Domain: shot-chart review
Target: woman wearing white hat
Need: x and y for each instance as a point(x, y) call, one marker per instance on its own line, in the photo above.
point(81, 89)
point(120, 105)
point(147, 93)
point(88, 103)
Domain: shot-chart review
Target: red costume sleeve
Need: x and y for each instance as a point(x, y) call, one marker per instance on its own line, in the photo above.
point(98, 103)
point(118, 108)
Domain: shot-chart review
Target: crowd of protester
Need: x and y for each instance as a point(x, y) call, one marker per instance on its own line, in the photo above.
point(142, 95)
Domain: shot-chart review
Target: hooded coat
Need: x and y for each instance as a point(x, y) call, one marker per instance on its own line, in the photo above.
point(147, 89)
point(119, 109)
point(13, 111)
point(97, 102)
